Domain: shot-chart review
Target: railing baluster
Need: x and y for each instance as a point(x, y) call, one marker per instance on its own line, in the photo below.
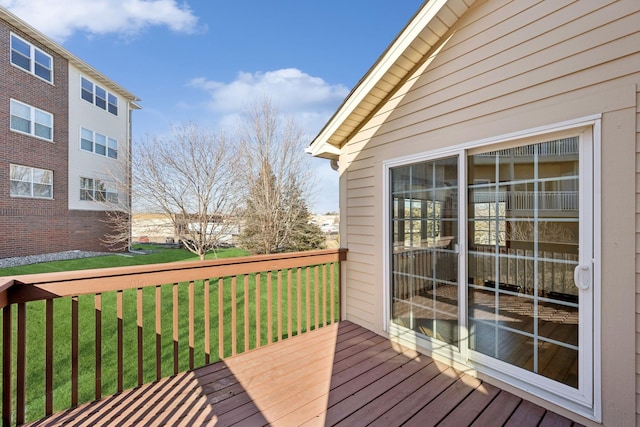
point(192, 325)
point(6, 365)
point(246, 312)
point(308, 295)
point(258, 312)
point(234, 314)
point(139, 321)
point(98, 344)
point(279, 338)
point(74, 351)
point(269, 308)
point(120, 350)
point(176, 366)
point(158, 332)
point(324, 294)
point(289, 308)
point(316, 297)
point(299, 295)
point(221, 318)
point(21, 364)
point(333, 292)
point(207, 323)
point(339, 292)
point(48, 405)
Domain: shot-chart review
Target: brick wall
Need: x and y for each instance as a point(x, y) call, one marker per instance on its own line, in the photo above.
point(28, 231)
point(33, 226)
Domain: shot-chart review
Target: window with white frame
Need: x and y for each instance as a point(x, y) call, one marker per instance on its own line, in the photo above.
point(31, 120)
point(31, 182)
point(97, 190)
point(95, 142)
point(98, 96)
point(31, 59)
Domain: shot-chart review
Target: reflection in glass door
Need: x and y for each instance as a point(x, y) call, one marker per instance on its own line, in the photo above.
point(523, 239)
point(424, 264)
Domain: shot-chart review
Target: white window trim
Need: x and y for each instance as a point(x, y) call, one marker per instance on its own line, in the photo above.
point(32, 111)
point(31, 182)
point(32, 58)
point(108, 139)
point(106, 98)
point(93, 190)
point(453, 354)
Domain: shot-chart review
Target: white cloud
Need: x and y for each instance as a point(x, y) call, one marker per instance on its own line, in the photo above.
point(310, 100)
point(59, 19)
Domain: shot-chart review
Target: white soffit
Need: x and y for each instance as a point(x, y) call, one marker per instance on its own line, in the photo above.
point(417, 39)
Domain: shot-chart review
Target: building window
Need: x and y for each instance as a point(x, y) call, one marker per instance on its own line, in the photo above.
point(97, 190)
point(32, 121)
point(31, 59)
point(489, 213)
point(112, 104)
point(112, 148)
point(30, 182)
point(98, 143)
point(98, 96)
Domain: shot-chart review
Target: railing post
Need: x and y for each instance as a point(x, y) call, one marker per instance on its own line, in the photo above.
point(21, 366)
point(48, 401)
point(6, 365)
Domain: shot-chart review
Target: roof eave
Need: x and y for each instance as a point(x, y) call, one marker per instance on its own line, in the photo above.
point(328, 140)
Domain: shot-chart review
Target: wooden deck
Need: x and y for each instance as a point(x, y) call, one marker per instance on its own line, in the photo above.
point(338, 375)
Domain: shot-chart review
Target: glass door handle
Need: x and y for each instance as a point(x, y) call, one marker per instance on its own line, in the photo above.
point(582, 276)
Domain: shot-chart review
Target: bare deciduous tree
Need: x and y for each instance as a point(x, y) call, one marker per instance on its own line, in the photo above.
point(114, 194)
point(277, 181)
point(189, 177)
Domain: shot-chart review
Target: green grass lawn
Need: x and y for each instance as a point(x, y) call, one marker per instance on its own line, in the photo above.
point(159, 254)
point(87, 331)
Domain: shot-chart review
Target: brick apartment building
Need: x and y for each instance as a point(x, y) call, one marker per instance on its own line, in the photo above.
point(64, 129)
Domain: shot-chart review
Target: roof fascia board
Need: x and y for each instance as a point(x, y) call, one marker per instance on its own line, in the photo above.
point(373, 76)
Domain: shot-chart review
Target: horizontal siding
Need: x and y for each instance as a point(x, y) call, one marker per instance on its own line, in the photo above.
point(508, 86)
point(361, 258)
point(361, 248)
point(363, 192)
point(367, 201)
point(361, 294)
point(506, 66)
point(358, 269)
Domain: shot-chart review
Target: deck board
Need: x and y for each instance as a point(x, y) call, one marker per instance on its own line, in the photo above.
point(341, 375)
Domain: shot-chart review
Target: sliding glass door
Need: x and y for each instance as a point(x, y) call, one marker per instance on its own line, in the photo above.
point(523, 250)
point(525, 266)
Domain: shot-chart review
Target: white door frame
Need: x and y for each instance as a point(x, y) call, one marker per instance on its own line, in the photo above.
point(586, 400)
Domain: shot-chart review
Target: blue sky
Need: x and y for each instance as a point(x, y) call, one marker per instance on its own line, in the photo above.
point(205, 60)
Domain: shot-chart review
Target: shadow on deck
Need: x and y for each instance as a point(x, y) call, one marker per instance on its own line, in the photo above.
point(341, 374)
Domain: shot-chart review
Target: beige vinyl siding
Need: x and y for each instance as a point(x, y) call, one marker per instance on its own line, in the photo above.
point(514, 73)
point(504, 67)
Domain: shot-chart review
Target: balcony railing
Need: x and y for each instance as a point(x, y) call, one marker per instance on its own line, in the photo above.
point(73, 337)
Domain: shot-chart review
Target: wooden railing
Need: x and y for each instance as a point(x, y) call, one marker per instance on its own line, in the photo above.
point(76, 336)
